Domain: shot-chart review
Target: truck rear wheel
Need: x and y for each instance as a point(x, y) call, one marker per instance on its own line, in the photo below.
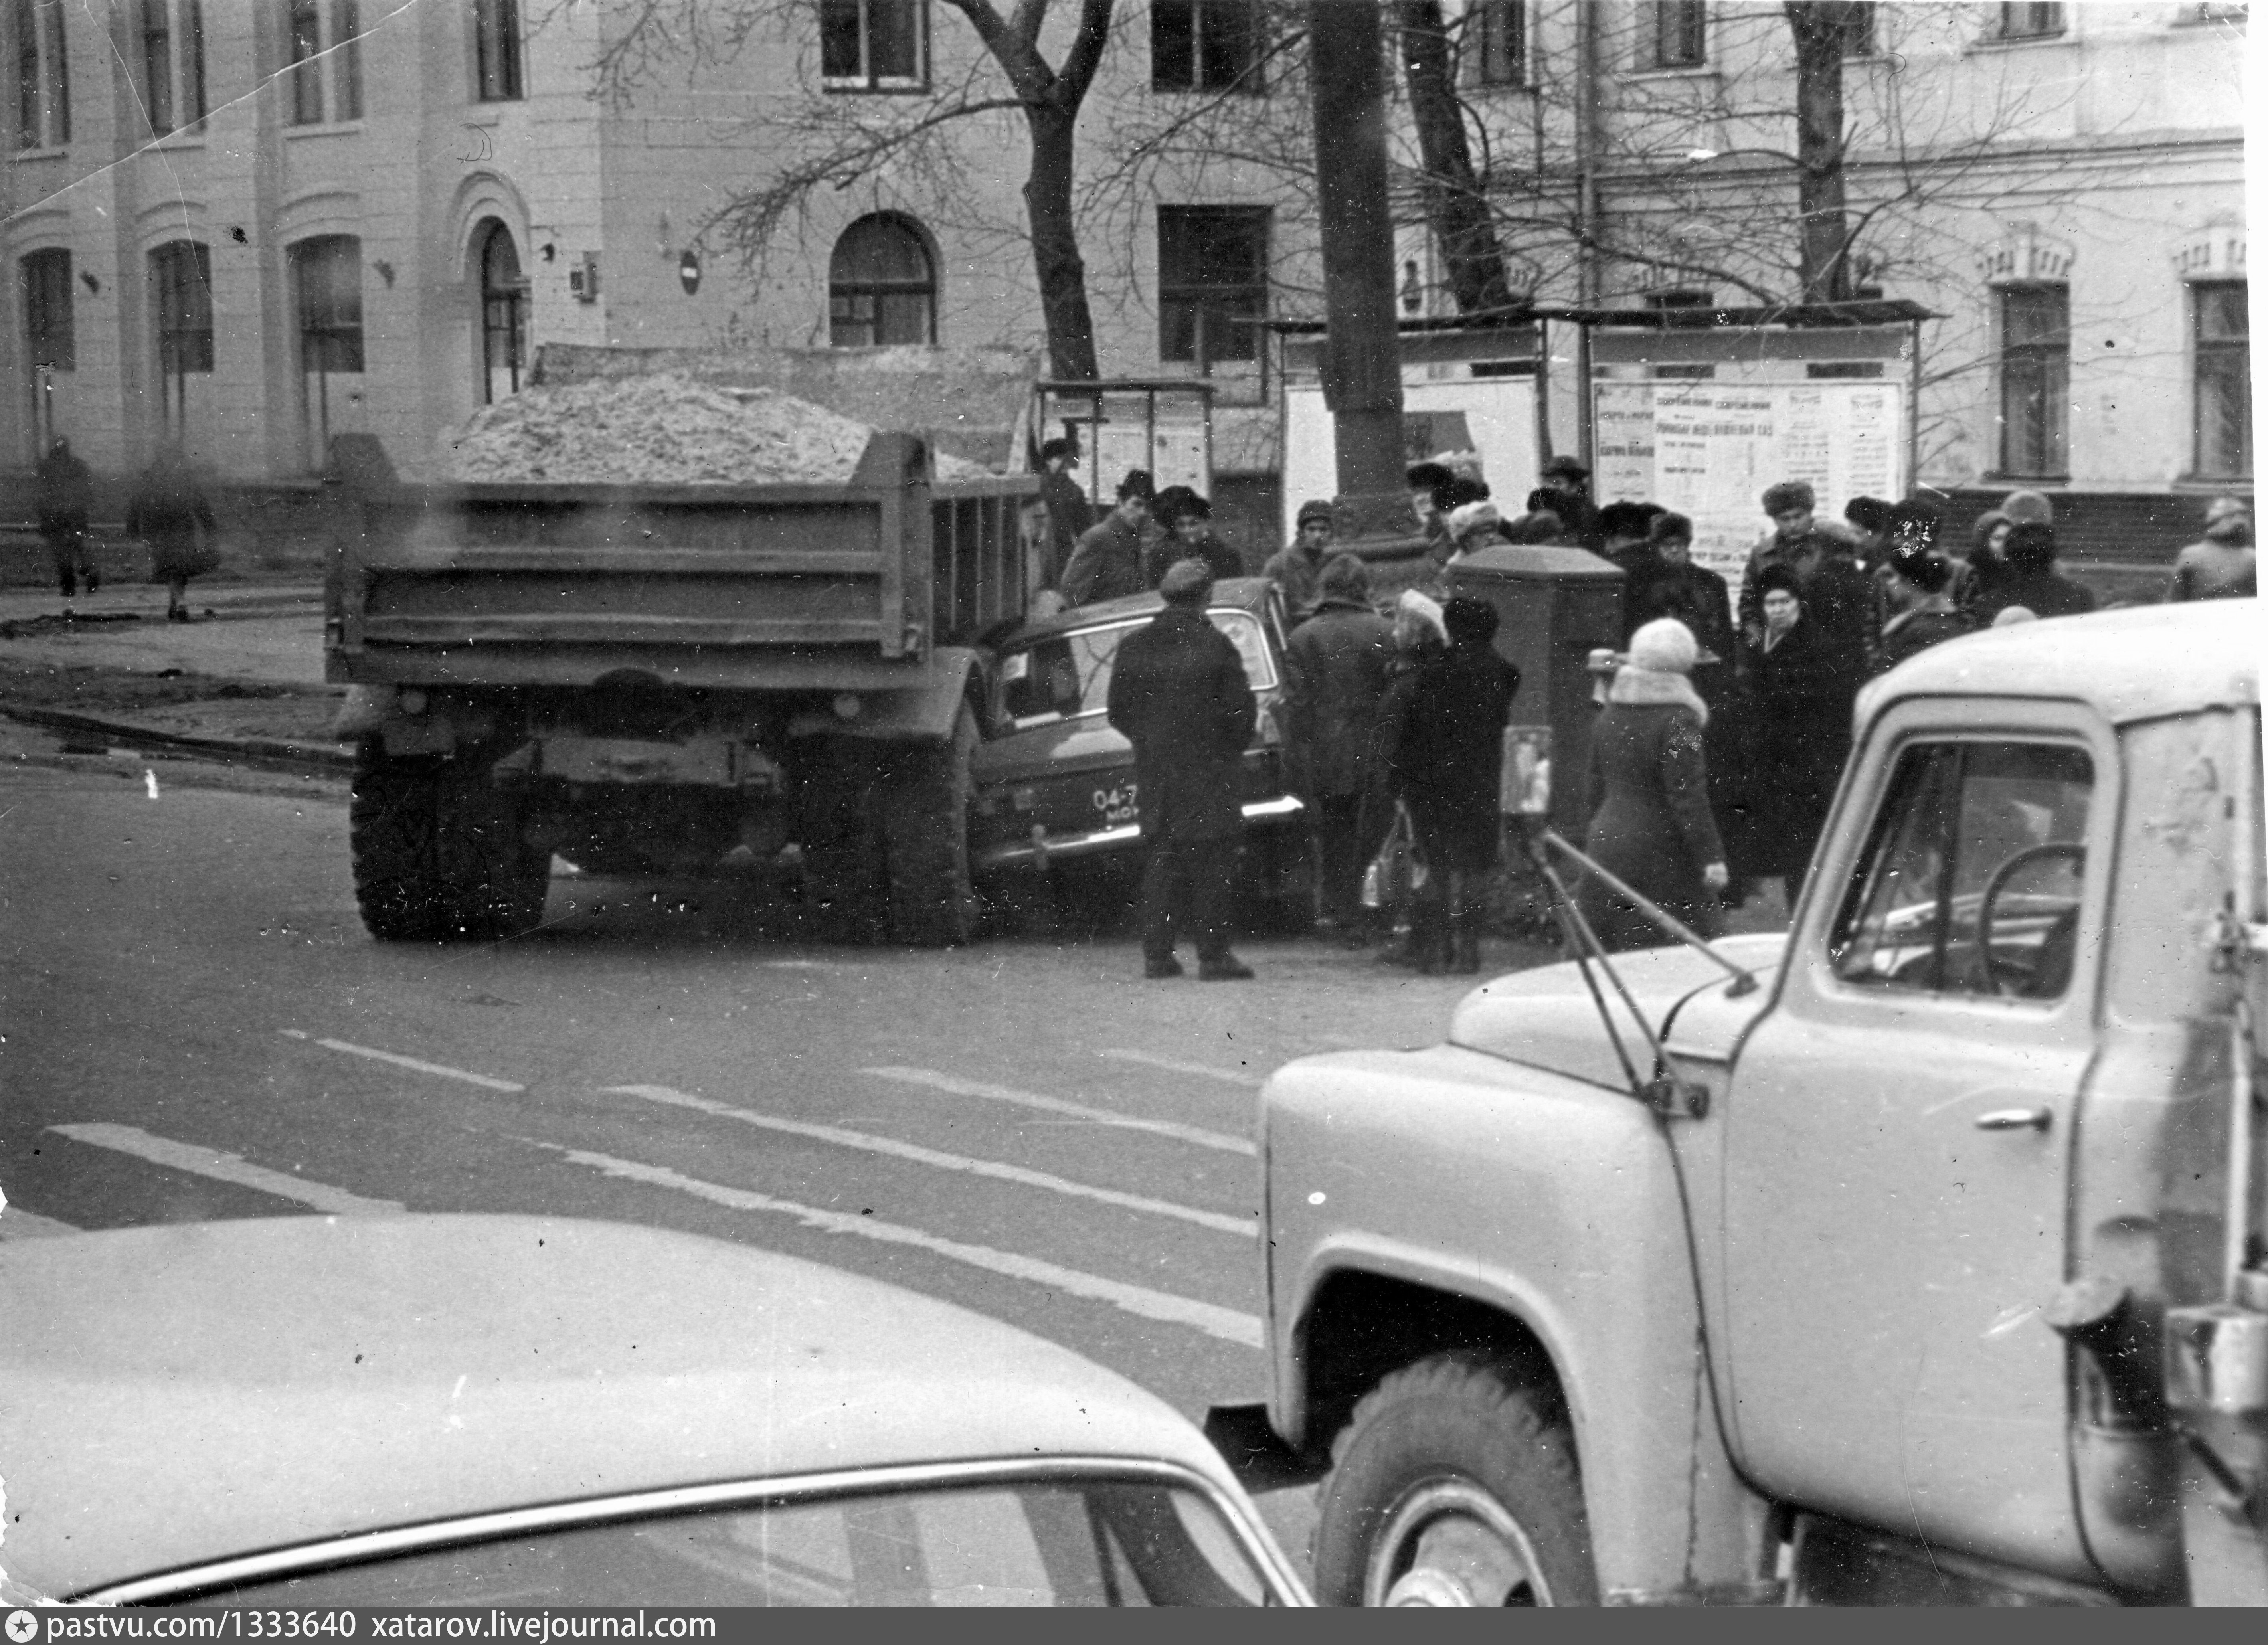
point(437, 853)
point(1455, 1485)
point(925, 841)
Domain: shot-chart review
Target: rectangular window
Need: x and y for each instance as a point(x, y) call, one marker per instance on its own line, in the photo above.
point(1212, 283)
point(2030, 22)
point(346, 57)
point(873, 45)
point(304, 48)
point(2220, 333)
point(496, 51)
point(48, 338)
point(2035, 378)
point(157, 65)
point(193, 62)
point(1500, 44)
point(1204, 46)
point(1975, 875)
point(329, 271)
point(181, 283)
point(42, 75)
point(1673, 33)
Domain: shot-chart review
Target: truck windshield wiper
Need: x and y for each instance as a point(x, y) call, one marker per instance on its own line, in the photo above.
point(1744, 980)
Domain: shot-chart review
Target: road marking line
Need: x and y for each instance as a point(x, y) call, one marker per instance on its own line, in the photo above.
point(1224, 1323)
point(400, 1061)
point(18, 1223)
point(1248, 1227)
point(227, 1168)
point(1226, 1076)
point(1056, 1105)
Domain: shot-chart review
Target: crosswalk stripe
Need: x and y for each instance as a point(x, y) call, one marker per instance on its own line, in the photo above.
point(1247, 1227)
point(227, 1168)
point(1226, 1323)
point(417, 1064)
point(1226, 1076)
point(1056, 1105)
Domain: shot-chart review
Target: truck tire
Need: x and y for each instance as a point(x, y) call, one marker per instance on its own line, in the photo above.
point(437, 853)
point(839, 828)
point(925, 841)
point(1455, 1485)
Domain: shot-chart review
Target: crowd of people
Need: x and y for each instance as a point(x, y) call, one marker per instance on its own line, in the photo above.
point(1724, 716)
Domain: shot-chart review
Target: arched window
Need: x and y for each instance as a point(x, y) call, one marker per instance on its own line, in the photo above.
point(503, 314)
point(881, 286)
point(180, 293)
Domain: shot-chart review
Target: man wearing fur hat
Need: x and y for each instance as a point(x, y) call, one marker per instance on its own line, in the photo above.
point(1299, 568)
point(1839, 598)
point(2221, 566)
point(1179, 695)
point(1335, 677)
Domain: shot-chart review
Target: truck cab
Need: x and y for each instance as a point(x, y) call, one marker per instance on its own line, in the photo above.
point(1917, 1260)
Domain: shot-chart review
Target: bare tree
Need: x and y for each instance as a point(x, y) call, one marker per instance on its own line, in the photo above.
point(1456, 209)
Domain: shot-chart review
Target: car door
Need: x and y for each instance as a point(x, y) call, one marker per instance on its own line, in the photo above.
point(1898, 1137)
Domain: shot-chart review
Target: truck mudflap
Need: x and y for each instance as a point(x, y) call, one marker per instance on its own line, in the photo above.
point(920, 712)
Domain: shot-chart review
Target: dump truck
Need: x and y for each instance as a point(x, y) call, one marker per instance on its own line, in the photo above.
point(1914, 1256)
point(664, 676)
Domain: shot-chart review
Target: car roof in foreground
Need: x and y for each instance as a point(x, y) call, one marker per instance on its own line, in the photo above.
point(173, 1394)
point(2141, 663)
point(1246, 593)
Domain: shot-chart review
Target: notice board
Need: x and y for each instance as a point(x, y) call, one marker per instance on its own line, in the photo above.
point(1708, 450)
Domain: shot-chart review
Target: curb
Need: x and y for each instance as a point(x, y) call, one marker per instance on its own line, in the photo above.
point(292, 756)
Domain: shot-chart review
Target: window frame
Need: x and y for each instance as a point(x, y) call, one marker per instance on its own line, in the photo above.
point(157, 29)
point(2221, 351)
point(49, 309)
point(2026, 20)
point(877, 289)
point(1175, 294)
point(1247, 80)
point(2052, 392)
point(303, 57)
point(1691, 18)
point(513, 299)
point(172, 62)
point(181, 322)
point(867, 82)
point(499, 50)
point(42, 76)
point(1489, 68)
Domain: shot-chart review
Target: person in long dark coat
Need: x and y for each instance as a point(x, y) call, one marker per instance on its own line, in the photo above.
point(2029, 578)
point(1443, 731)
point(170, 509)
point(1799, 732)
point(1334, 675)
point(1186, 519)
point(66, 491)
point(1650, 824)
point(1179, 695)
point(1070, 515)
point(1922, 612)
point(1109, 562)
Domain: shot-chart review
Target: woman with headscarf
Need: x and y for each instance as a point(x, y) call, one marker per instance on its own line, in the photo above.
point(1800, 703)
point(1974, 574)
point(1650, 825)
point(169, 508)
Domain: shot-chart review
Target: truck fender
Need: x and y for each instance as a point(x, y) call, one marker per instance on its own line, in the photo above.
point(1543, 1220)
point(920, 712)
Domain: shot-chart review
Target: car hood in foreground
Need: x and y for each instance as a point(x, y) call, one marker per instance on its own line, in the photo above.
point(173, 1394)
point(1546, 1019)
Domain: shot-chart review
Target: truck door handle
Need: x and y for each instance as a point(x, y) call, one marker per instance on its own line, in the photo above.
point(2016, 1119)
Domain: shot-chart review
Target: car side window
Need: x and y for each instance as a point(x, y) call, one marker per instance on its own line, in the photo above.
point(1060, 677)
point(1973, 877)
point(1251, 642)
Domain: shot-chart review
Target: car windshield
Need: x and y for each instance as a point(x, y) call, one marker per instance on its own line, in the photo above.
point(1019, 1543)
point(1065, 676)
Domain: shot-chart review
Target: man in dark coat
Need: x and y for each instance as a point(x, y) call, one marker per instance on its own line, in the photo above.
point(1334, 670)
point(1922, 613)
point(1569, 484)
point(1801, 736)
point(1179, 695)
point(2029, 578)
point(1296, 570)
point(1839, 599)
point(66, 492)
point(1070, 515)
point(1443, 732)
point(1187, 520)
point(1107, 565)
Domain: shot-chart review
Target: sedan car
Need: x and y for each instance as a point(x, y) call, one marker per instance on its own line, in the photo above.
point(517, 1411)
point(1056, 783)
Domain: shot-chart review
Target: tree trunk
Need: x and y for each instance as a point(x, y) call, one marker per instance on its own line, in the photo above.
point(1454, 207)
point(1362, 353)
point(1055, 243)
point(1821, 27)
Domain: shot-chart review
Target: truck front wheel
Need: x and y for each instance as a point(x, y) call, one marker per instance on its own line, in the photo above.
point(925, 841)
point(1455, 1485)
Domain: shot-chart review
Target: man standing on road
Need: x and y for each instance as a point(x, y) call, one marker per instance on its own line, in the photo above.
point(1334, 670)
point(1299, 568)
point(1179, 695)
point(1069, 512)
point(1107, 563)
point(66, 493)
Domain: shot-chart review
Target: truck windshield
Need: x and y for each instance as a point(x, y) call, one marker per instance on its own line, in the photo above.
point(1065, 676)
point(1973, 877)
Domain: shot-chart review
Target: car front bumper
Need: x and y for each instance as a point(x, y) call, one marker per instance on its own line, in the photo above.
point(1042, 848)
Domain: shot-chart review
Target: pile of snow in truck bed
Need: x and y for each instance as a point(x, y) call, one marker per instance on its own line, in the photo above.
point(668, 429)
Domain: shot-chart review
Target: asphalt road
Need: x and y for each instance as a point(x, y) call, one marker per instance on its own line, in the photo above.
point(193, 1025)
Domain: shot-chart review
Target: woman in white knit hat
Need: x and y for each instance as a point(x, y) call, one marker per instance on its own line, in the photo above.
point(1651, 826)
